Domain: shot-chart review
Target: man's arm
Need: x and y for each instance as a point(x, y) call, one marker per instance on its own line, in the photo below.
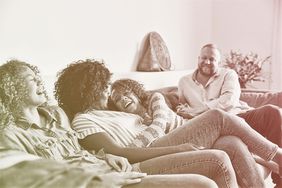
point(181, 85)
point(229, 95)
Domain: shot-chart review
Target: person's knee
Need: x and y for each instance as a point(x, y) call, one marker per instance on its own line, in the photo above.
point(274, 113)
point(229, 142)
point(271, 109)
point(174, 180)
point(223, 167)
point(217, 112)
point(232, 145)
point(221, 156)
point(204, 182)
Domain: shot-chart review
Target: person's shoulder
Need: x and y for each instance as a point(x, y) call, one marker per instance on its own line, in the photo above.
point(157, 98)
point(54, 110)
point(57, 113)
point(189, 75)
point(11, 135)
point(186, 77)
point(157, 95)
point(9, 129)
point(79, 116)
point(87, 115)
point(226, 71)
point(51, 108)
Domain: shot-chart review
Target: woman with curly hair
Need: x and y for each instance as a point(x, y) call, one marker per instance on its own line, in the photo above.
point(82, 90)
point(37, 138)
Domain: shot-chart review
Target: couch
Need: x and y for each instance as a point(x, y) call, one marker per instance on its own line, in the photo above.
point(166, 83)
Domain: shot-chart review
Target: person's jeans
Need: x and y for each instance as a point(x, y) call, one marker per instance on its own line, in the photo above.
point(247, 172)
point(266, 120)
point(214, 164)
point(206, 128)
point(173, 180)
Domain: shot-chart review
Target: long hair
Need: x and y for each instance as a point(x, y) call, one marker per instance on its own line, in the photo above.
point(79, 87)
point(129, 85)
point(12, 91)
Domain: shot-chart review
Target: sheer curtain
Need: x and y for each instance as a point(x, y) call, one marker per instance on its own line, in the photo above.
point(276, 65)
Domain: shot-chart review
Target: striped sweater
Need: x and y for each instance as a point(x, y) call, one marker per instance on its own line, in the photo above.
point(127, 129)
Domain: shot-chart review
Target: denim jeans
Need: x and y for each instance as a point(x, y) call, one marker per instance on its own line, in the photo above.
point(214, 164)
point(266, 120)
point(175, 181)
point(247, 172)
point(204, 130)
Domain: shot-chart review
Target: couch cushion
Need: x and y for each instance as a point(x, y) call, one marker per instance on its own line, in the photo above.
point(260, 98)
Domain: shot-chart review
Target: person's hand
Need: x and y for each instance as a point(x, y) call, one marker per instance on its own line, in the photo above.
point(118, 179)
point(119, 163)
point(184, 110)
point(147, 120)
point(185, 115)
point(187, 112)
point(189, 147)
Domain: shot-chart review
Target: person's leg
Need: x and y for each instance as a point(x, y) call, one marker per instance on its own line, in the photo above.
point(175, 181)
point(267, 120)
point(214, 164)
point(206, 128)
point(247, 172)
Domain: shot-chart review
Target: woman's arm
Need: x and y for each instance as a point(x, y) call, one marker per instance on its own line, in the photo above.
point(101, 140)
point(162, 116)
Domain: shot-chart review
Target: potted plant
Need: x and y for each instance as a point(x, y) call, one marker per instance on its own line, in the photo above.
point(247, 66)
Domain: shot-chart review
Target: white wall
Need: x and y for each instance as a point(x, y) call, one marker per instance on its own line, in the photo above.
point(53, 33)
point(244, 25)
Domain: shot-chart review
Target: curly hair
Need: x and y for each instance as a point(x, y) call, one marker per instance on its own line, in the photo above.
point(12, 91)
point(129, 85)
point(80, 86)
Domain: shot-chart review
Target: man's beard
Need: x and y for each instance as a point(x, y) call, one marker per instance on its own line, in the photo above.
point(207, 70)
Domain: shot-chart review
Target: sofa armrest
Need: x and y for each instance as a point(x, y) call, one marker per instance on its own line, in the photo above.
point(257, 98)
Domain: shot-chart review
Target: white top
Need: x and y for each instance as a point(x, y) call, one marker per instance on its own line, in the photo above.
point(222, 91)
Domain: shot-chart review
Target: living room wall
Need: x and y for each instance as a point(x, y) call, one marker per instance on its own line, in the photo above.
point(53, 33)
point(246, 26)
